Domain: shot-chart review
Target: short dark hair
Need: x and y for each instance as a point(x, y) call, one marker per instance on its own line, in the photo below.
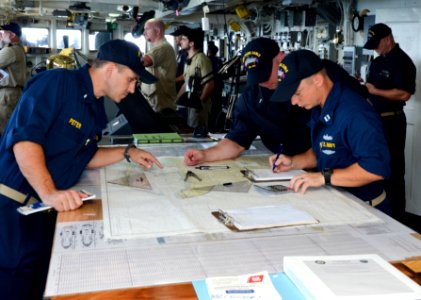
point(195, 35)
point(212, 48)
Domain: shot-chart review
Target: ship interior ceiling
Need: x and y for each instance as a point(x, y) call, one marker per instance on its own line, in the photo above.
point(312, 24)
point(174, 12)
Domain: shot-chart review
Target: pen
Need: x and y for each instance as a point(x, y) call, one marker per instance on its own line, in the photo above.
point(280, 151)
point(212, 167)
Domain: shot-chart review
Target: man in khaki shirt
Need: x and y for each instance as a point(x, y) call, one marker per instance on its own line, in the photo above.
point(197, 65)
point(13, 62)
point(161, 62)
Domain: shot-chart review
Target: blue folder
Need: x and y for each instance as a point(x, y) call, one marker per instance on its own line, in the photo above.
point(282, 283)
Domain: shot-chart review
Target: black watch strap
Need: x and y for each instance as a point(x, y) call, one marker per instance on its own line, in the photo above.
point(126, 152)
point(327, 174)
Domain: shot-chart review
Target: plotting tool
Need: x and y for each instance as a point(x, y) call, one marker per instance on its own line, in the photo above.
point(191, 174)
point(134, 180)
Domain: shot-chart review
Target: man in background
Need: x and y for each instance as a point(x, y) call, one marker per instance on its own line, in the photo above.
point(198, 81)
point(181, 56)
point(13, 62)
point(160, 61)
point(390, 83)
point(218, 87)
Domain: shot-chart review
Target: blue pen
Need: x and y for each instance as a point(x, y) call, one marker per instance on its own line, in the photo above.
point(280, 151)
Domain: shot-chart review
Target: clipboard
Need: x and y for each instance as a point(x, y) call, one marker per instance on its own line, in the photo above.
point(222, 218)
point(264, 217)
point(264, 175)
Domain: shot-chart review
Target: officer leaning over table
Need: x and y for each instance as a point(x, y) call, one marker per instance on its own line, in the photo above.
point(349, 149)
point(49, 140)
point(254, 114)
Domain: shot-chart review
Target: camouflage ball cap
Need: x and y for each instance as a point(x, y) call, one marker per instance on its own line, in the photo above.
point(257, 59)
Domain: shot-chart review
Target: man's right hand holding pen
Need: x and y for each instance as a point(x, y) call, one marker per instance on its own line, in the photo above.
point(281, 163)
point(307, 160)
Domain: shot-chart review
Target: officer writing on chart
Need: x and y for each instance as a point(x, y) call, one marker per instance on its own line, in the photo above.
point(348, 144)
point(50, 139)
point(390, 83)
point(254, 114)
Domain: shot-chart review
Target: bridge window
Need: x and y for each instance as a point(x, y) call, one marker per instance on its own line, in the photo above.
point(97, 38)
point(140, 41)
point(69, 38)
point(34, 37)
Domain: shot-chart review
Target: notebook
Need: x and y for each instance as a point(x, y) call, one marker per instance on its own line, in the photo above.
point(260, 175)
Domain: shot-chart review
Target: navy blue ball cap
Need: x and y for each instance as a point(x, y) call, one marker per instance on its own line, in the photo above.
point(13, 27)
point(180, 30)
point(295, 67)
point(127, 54)
point(375, 34)
point(257, 58)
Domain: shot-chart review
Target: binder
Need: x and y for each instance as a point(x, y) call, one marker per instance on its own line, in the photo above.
point(157, 138)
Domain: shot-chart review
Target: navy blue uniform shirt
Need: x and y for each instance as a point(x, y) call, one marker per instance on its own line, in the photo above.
point(346, 131)
point(58, 111)
point(275, 122)
point(393, 70)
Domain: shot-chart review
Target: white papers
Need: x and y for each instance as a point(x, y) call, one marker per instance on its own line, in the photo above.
point(265, 217)
point(41, 206)
point(3, 75)
point(350, 277)
point(268, 175)
point(252, 286)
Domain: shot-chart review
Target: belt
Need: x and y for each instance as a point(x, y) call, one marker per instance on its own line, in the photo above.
point(391, 113)
point(16, 195)
point(10, 87)
point(379, 199)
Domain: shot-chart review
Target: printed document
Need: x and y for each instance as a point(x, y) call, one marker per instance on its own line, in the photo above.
point(245, 287)
point(350, 277)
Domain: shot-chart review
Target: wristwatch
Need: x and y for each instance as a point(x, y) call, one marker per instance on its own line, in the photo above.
point(126, 152)
point(327, 174)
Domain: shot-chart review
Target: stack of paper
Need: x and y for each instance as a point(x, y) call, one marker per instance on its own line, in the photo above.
point(350, 277)
point(265, 217)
